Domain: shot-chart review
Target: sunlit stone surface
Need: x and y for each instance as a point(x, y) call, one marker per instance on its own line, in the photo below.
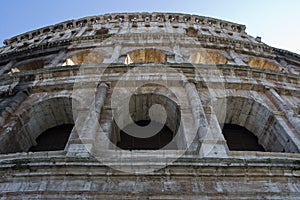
point(103, 73)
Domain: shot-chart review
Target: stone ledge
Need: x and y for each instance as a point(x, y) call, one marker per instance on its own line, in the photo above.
point(172, 65)
point(241, 47)
point(236, 159)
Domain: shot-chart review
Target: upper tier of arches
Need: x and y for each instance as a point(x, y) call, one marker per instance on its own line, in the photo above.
point(144, 55)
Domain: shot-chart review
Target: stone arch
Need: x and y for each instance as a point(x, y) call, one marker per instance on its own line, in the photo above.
point(150, 55)
point(208, 58)
point(139, 106)
point(84, 58)
point(240, 139)
point(52, 139)
point(258, 118)
point(31, 65)
point(264, 64)
point(35, 119)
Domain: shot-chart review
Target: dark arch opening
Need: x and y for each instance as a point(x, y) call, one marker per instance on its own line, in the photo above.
point(156, 142)
point(240, 139)
point(53, 139)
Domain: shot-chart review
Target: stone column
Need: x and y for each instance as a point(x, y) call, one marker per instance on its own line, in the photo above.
point(101, 131)
point(89, 125)
point(57, 60)
point(115, 55)
point(213, 143)
point(211, 139)
point(197, 112)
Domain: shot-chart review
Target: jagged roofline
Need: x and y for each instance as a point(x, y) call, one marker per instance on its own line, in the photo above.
point(127, 17)
point(140, 17)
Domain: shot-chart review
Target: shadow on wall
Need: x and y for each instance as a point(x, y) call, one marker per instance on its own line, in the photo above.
point(255, 118)
point(37, 119)
point(33, 65)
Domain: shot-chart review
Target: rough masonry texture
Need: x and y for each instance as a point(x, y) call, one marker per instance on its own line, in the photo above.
point(103, 73)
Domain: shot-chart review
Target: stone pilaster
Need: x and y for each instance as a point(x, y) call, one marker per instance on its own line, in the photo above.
point(57, 60)
point(210, 141)
point(211, 138)
point(197, 112)
point(83, 145)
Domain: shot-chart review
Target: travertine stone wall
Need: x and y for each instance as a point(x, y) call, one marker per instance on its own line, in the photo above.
point(44, 175)
point(205, 72)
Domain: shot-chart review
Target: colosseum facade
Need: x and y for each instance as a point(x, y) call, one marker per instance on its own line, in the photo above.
point(148, 106)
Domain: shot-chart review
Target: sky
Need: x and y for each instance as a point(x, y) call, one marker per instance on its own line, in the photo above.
point(276, 21)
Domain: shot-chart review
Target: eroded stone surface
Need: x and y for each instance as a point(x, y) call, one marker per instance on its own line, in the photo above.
point(204, 72)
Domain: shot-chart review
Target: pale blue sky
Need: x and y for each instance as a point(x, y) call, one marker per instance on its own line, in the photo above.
point(276, 21)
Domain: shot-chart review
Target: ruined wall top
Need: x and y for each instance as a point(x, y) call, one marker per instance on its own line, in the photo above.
point(108, 23)
point(117, 20)
point(212, 33)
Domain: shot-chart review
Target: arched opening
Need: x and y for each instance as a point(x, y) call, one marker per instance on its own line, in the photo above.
point(139, 107)
point(191, 31)
point(208, 58)
point(257, 117)
point(146, 56)
point(33, 65)
point(102, 31)
point(53, 139)
point(240, 139)
point(158, 141)
point(263, 64)
point(37, 119)
point(85, 58)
